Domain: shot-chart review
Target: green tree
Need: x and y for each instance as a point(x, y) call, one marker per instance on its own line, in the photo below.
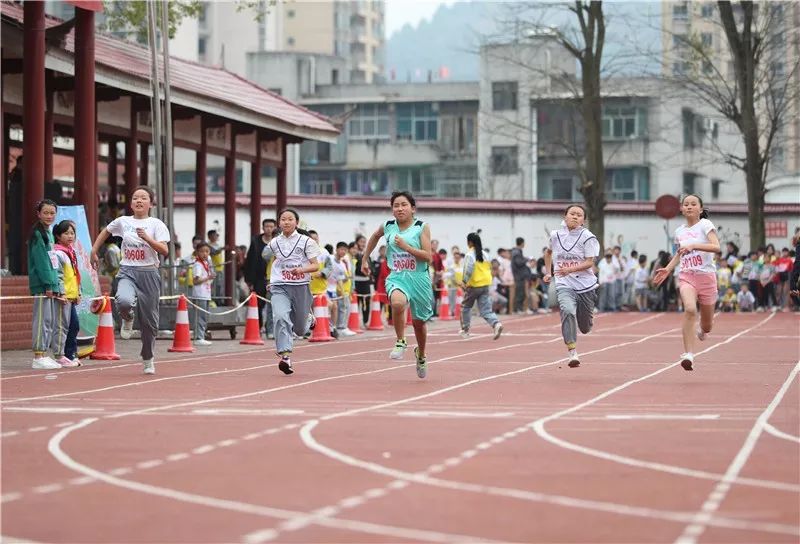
point(132, 15)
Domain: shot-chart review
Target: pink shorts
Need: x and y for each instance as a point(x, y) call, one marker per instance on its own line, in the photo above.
point(704, 283)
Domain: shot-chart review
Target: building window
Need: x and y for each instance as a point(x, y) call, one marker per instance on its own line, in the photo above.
point(334, 77)
point(706, 39)
point(621, 123)
point(417, 121)
point(290, 40)
point(680, 68)
point(680, 10)
point(707, 10)
point(368, 182)
point(504, 160)
point(689, 182)
point(290, 14)
point(370, 122)
point(688, 121)
point(715, 185)
point(504, 95)
point(628, 184)
point(322, 183)
point(679, 41)
point(562, 189)
point(458, 135)
point(416, 180)
point(708, 67)
point(778, 69)
point(201, 47)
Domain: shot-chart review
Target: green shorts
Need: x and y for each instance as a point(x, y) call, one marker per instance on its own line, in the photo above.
point(418, 291)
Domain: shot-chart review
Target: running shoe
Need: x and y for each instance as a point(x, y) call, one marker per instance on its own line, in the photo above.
point(311, 322)
point(126, 330)
point(422, 364)
point(202, 342)
point(399, 349)
point(66, 362)
point(498, 330)
point(149, 366)
point(77, 361)
point(700, 334)
point(45, 363)
point(285, 365)
point(574, 360)
point(464, 333)
point(687, 360)
point(346, 332)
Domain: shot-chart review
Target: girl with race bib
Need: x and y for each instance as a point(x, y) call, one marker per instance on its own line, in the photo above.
point(408, 255)
point(295, 259)
point(144, 238)
point(572, 250)
point(698, 242)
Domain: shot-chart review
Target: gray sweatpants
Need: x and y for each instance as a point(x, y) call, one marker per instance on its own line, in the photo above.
point(291, 305)
point(481, 296)
point(200, 319)
point(44, 323)
point(62, 312)
point(577, 311)
point(138, 291)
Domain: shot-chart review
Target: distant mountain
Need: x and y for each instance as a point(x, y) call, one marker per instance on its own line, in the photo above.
point(446, 46)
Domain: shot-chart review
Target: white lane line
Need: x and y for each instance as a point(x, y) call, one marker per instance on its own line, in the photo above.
point(780, 434)
point(445, 414)
point(144, 465)
point(662, 416)
point(50, 488)
point(701, 519)
point(10, 497)
point(54, 447)
point(245, 412)
point(539, 427)
point(50, 409)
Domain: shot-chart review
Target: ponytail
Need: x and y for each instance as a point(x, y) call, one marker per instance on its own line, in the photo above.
point(38, 227)
point(475, 240)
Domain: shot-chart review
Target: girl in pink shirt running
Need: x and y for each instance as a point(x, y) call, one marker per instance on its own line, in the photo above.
point(698, 242)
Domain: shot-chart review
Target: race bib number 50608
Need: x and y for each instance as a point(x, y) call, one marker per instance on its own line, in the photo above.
point(134, 254)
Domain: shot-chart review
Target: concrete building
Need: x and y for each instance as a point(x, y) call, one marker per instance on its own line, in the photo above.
point(685, 24)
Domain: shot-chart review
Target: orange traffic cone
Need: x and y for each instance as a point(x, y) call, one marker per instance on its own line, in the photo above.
point(104, 344)
point(444, 306)
point(354, 320)
point(182, 339)
point(252, 332)
point(322, 329)
point(459, 300)
point(375, 321)
point(408, 316)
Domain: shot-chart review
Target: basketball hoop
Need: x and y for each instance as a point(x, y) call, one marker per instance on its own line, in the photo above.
point(668, 206)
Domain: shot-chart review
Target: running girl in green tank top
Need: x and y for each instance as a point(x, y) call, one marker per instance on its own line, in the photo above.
point(408, 254)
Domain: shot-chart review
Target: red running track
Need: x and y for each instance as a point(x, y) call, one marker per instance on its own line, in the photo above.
point(502, 442)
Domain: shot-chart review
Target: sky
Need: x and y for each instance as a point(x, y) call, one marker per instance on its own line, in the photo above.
point(400, 12)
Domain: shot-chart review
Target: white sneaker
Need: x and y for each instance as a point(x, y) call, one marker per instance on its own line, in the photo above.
point(77, 361)
point(687, 360)
point(464, 334)
point(202, 342)
point(44, 363)
point(700, 334)
point(346, 332)
point(149, 366)
point(126, 330)
point(498, 330)
point(574, 360)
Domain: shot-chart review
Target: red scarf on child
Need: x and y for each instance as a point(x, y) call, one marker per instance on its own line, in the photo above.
point(73, 258)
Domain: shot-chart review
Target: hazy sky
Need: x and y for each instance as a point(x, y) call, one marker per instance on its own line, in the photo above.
point(400, 12)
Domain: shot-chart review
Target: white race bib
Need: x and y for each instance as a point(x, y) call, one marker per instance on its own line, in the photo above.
point(403, 261)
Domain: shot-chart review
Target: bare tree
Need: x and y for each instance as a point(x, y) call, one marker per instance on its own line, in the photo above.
point(748, 83)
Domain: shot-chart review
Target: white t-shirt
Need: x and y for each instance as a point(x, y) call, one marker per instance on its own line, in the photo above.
point(608, 270)
point(338, 273)
point(697, 261)
point(571, 248)
point(202, 291)
point(641, 277)
point(135, 251)
point(291, 252)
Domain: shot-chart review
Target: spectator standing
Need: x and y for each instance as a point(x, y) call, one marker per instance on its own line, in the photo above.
point(521, 272)
point(256, 273)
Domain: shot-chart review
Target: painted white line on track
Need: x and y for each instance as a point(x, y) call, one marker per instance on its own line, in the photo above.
point(50, 410)
point(245, 412)
point(444, 414)
point(662, 416)
point(701, 519)
point(780, 434)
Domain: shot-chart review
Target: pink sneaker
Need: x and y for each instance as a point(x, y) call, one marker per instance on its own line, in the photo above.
point(66, 362)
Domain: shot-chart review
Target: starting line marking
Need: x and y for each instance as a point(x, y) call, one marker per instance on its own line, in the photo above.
point(661, 416)
point(454, 414)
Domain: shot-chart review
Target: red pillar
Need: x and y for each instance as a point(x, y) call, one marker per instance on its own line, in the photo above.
point(33, 107)
point(112, 171)
point(201, 182)
point(131, 158)
point(85, 109)
point(255, 190)
point(48, 128)
point(144, 160)
point(230, 214)
point(280, 198)
point(3, 183)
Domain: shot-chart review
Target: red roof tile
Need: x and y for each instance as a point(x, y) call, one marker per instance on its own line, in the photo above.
point(205, 81)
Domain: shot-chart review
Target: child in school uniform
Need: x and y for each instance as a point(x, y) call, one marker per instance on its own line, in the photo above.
point(43, 284)
point(66, 306)
point(203, 275)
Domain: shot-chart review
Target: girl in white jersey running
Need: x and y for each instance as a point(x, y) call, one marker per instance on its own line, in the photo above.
point(144, 238)
point(575, 249)
point(698, 242)
point(295, 259)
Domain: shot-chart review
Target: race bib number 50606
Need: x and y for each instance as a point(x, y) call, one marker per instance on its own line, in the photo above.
point(404, 261)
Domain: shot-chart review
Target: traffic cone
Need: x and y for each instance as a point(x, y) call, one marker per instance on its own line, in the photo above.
point(375, 321)
point(252, 332)
point(459, 300)
point(182, 339)
point(322, 330)
point(408, 315)
point(354, 320)
point(444, 306)
point(104, 344)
